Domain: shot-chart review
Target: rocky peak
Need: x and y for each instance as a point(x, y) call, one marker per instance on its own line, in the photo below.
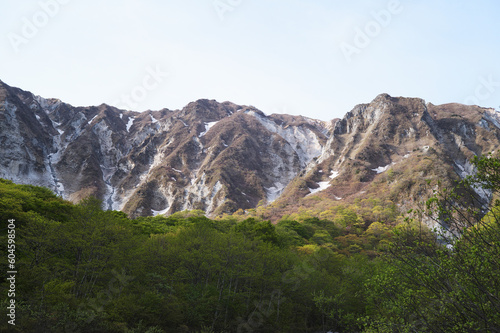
point(207, 110)
point(413, 140)
point(213, 156)
point(221, 157)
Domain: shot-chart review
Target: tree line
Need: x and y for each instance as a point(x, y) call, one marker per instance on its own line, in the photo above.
point(362, 269)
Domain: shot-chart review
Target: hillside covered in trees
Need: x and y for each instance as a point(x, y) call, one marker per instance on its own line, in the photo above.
point(359, 267)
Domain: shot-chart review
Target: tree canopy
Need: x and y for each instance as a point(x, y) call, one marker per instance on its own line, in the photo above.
point(355, 268)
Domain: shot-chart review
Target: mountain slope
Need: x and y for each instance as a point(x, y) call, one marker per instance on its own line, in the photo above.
point(218, 157)
point(221, 157)
point(388, 149)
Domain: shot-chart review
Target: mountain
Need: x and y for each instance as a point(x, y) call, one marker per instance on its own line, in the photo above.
point(390, 149)
point(218, 157)
point(221, 157)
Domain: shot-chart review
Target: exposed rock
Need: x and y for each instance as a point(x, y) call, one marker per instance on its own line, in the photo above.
point(390, 148)
point(220, 157)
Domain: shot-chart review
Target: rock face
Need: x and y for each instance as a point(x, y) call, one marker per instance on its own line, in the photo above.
point(220, 157)
point(389, 148)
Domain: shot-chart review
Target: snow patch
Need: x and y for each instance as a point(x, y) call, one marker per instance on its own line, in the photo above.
point(208, 126)
point(160, 212)
point(91, 120)
point(381, 169)
point(129, 123)
point(334, 174)
point(153, 120)
point(322, 186)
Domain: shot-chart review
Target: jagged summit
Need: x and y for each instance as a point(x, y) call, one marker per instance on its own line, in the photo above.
point(221, 157)
point(213, 156)
point(389, 148)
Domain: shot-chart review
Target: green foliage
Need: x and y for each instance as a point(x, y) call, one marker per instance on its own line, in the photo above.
point(449, 283)
point(89, 270)
point(263, 230)
point(17, 200)
point(347, 268)
point(295, 226)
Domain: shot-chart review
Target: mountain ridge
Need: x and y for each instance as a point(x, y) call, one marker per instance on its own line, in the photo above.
point(112, 153)
point(222, 157)
point(389, 149)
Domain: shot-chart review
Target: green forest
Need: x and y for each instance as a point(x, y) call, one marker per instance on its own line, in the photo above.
point(366, 268)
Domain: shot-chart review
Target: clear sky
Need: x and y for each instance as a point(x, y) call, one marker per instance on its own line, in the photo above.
point(317, 58)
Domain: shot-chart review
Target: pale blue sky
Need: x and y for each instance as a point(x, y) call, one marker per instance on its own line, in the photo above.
point(282, 56)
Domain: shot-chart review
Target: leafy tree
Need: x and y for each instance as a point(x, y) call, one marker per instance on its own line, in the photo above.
point(263, 230)
point(448, 283)
point(295, 226)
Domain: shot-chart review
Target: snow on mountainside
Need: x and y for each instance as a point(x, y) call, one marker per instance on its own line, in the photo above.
point(388, 149)
point(220, 157)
